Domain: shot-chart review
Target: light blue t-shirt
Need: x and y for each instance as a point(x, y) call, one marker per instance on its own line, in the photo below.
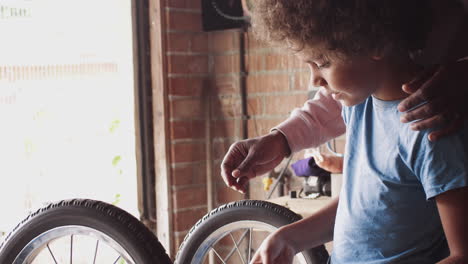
point(386, 213)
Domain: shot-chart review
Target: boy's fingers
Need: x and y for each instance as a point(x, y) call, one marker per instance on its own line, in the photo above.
point(256, 259)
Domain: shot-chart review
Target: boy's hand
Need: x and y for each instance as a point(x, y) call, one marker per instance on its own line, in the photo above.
point(275, 249)
point(331, 163)
point(252, 157)
point(444, 89)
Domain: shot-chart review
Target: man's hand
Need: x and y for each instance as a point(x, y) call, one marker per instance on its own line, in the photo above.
point(249, 158)
point(438, 99)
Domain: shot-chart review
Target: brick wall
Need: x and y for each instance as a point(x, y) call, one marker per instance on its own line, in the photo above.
point(188, 75)
point(204, 83)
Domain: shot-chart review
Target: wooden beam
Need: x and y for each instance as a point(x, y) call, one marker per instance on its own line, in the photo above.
point(161, 123)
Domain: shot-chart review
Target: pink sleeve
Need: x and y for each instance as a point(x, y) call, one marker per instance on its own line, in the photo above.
point(318, 121)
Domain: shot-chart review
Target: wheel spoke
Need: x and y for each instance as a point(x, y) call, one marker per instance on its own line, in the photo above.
point(250, 245)
point(95, 251)
point(237, 248)
point(71, 249)
point(117, 259)
point(220, 258)
point(52, 254)
point(238, 242)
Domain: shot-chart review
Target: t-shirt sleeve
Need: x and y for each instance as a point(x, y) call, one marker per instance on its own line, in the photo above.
point(442, 165)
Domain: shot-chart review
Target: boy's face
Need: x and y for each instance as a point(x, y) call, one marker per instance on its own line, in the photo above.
point(349, 80)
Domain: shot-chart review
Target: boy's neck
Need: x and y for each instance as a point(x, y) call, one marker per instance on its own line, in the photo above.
point(394, 74)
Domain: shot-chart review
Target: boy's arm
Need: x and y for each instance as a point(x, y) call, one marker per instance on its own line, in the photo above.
point(322, 223)
point(453, 212)
point(281, 245)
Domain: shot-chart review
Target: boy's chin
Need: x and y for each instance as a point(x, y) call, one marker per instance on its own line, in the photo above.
point(351, 101)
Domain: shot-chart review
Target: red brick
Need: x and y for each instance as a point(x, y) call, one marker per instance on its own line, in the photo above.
point(223, 41)
point(220, 148)
point(185, 220)
point(188, 64)
point(187, 108)
point(226, 107)
point(252, 43)
point(262, 83)
point(284, 104)
point(187, 86)
point(226, 128)
point(178, 42)
point(186, 4)
point(188, 152)
point(188, 197)
point(275, 61)
point(187, 42)
point(187, 129)
point(255, 106)
point(259, 127)
point(226, 64)
point(301, 80)
point(254, 62)
point(199, 43)
point(189, 174)
point(183, 21)
point(224, 85)
point(217, 172)
point(225, 194)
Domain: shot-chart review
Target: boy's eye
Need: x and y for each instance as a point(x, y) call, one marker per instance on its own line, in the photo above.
point(323, 65)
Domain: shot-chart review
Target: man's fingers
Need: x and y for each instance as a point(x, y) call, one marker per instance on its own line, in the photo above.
point(424, 93)
point(413, 85)
point(257, 169)
point(242, 184)
point(245, 169)
point(226, 173)
point(455, 126)
point(434, 121)
point(424, 111)
point(410, 102)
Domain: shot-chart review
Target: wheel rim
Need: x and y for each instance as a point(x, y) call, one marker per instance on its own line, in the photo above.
point(248, 227)
point(41, 243)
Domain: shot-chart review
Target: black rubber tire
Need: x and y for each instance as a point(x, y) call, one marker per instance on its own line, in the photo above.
point(137, 240)
point(261, 211)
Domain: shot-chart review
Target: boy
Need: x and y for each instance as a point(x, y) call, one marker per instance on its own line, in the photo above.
point(402, 197)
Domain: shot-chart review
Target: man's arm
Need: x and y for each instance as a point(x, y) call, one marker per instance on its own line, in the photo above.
point(441, 86)
point(453, 212)
point(318, 121)
point(315, 123)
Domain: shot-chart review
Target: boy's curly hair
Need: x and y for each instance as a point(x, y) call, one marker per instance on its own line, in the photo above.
point(344, 26)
